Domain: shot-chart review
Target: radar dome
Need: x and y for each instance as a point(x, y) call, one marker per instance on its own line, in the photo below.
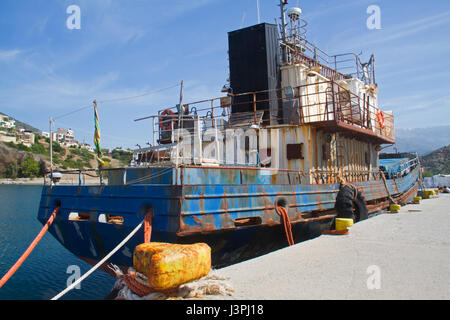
point(294, 13)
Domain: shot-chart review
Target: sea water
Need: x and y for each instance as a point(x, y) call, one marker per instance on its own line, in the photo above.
point(50, 267)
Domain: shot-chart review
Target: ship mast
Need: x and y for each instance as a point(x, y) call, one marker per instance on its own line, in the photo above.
point(283, 4)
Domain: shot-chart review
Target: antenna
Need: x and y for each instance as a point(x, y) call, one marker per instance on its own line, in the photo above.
point(283, 3)
point(257, 8)
point(243, 19)
point(295, 35)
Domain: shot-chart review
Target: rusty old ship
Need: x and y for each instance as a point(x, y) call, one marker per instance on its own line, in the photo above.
point(292, 126)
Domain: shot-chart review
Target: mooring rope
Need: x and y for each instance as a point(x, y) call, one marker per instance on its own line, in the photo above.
point(30, 248)
point(287, 224)
point(387, 189)
point(120, 245)
point(212, 284)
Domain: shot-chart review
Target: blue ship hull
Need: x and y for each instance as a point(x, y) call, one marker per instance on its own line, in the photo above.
point(234, 214)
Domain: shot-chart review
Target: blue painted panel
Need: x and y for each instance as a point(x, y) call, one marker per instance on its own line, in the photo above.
point(189, 207)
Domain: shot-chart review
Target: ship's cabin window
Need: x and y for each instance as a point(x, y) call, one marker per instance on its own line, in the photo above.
point(110, 219)
point(294, 151)
point(79, 216)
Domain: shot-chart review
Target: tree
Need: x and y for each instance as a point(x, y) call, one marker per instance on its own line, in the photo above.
point(12, 170)
point(42, 168)
point(29, 168)
point(57, 148)
point(427, 174)
point(38, 148)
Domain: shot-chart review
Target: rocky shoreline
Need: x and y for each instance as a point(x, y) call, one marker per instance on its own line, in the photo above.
point(23, 181)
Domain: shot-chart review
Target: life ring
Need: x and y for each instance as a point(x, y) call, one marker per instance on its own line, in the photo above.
point(380, 118)
point(164, 124)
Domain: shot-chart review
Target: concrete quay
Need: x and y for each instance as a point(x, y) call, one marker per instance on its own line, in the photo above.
point(390, 256)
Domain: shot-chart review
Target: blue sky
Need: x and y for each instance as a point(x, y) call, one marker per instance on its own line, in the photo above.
point(130, 47)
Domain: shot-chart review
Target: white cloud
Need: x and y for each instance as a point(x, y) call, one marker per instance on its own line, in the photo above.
point(423, 100)
point(327, 8)
point(392, 32)
point(7, 55)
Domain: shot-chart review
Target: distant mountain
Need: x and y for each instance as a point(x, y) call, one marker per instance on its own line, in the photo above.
point(22, 125)
point(437, 162)
point(420, 140)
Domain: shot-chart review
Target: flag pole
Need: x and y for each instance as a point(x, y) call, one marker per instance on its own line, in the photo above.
point(180, 122)
point(97, 143)
point(51, 152)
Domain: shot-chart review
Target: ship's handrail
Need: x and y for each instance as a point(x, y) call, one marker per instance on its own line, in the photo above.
point(300, 50)
point(348, 108)
point(312, 176)
point(333, 103)
point(335, 176)
point(405, 167)
point(318, 61)
point(102, 174)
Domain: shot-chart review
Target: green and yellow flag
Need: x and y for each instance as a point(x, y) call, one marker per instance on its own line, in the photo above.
point(97, 136)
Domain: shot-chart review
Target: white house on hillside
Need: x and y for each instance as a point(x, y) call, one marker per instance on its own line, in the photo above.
point(87, 147)
point(65, 137)
point(6, 122)
point(27, 138)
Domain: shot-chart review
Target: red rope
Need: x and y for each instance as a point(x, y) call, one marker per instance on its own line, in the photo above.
point(148, 227)
point(287, 225)
point(137, 286)
point(27, 252)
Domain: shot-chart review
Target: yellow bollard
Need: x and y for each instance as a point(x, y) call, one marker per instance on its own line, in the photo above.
point(427, 194)
point(342, 226)
point(417, 199)
point(168, 265)
point(395, 208)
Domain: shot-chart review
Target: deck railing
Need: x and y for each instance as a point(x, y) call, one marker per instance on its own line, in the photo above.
point(334, 67)
point(324, 103)
point(118, 176)
point(334, 103)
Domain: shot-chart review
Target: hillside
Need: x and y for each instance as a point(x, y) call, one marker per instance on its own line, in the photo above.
point(22, 125)
point(20, 161)
point(17, 161)
point(437, 161)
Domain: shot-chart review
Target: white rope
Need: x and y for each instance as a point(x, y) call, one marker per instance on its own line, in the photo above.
point(73, 285)
point(212, 284)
